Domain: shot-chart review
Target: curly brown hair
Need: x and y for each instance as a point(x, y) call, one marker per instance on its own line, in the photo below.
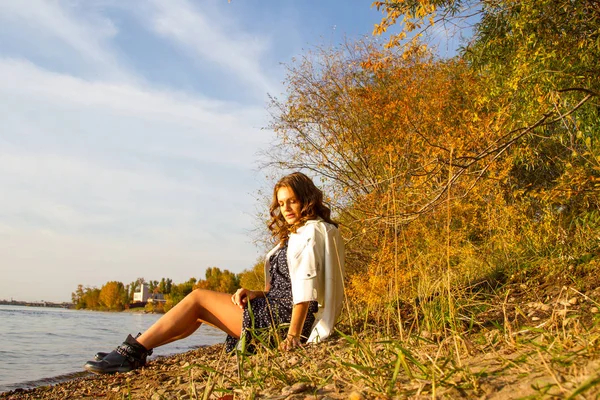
point(311, 201)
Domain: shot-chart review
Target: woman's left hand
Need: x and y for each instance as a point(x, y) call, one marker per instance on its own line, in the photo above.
point(290, 343)
point(242, 296)
point(292, 340)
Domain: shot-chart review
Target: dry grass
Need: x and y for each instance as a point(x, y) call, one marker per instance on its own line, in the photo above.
point(516, 343)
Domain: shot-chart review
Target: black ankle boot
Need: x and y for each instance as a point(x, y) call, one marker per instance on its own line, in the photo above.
point(99, 356)
point(128, 356)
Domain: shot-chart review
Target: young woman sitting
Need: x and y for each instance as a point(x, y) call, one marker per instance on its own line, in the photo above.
point(304, 286)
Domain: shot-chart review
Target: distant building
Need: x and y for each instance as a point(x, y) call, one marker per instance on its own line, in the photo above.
point(157, 298)
point(144, 296)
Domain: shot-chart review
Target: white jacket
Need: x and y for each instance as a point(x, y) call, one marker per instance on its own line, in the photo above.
point(315, 259)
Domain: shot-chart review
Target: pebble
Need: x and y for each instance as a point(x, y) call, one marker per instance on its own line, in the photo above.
point(379, 348)
point(535, 318)
point(297, 387)
point(573, 301)
point(539, 306)
point(569, 385)
point(355, 396)
point(594, 310)
point(487, 388)
point(562, 313)
point(329, 388)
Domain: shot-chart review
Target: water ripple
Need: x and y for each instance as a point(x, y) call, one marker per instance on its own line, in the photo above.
point(38, 344)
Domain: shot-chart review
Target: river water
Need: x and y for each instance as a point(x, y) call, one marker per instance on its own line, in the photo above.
point(41, 346)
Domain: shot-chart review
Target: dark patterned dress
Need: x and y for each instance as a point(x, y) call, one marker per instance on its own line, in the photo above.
point(265, 313)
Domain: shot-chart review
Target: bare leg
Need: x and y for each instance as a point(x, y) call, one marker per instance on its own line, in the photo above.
point(191, 329)
point(186, 317)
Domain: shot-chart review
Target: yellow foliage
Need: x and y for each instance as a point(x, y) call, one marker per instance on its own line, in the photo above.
point(113, 295)
point(253, 279)
point(436, 175)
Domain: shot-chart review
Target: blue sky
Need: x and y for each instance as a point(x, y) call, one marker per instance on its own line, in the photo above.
point(129, 133)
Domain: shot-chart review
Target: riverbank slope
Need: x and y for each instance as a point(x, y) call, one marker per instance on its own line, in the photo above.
point(527, 342)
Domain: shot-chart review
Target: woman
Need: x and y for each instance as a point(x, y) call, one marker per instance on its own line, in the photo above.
point(304, 286)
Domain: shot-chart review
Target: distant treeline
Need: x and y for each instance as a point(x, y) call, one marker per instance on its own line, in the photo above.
point(116, 296)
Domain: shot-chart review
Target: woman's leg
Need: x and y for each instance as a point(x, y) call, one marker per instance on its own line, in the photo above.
point(214, 308)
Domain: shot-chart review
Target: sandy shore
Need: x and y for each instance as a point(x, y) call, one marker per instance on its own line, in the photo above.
point(205, 371)
point(529, 342)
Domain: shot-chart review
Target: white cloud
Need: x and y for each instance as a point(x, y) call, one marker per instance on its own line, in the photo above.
point(104, 176)
point(89, 167)
point(136, 118)
point(209, 37)
point(65, 32)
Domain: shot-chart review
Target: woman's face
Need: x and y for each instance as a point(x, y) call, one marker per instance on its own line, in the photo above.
point(289, 205)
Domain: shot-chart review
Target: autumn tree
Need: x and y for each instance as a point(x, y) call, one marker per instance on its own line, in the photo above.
point(153, 285)
point(113, 295)
point(254, 278)
point(165, 285)
point(539, 64)
point(539, 60)
point(86, 298)
point(439, 165)
point(380, 137)
point(132, 287)
point(219, 281)
point(77, 297)
point(92, 298)
point(178, 292)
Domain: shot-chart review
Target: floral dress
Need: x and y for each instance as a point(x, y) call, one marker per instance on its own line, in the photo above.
point(265, 313)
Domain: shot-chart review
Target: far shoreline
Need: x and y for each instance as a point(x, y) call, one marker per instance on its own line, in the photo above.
point(135, 310)
point(41, 304)
point(71, 306)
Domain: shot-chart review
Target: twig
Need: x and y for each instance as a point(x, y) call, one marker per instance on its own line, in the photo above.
point(586, 297)
point(562, 389)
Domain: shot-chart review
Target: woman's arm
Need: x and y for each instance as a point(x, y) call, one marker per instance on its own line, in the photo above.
point(242, 296)
point(299, 313)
